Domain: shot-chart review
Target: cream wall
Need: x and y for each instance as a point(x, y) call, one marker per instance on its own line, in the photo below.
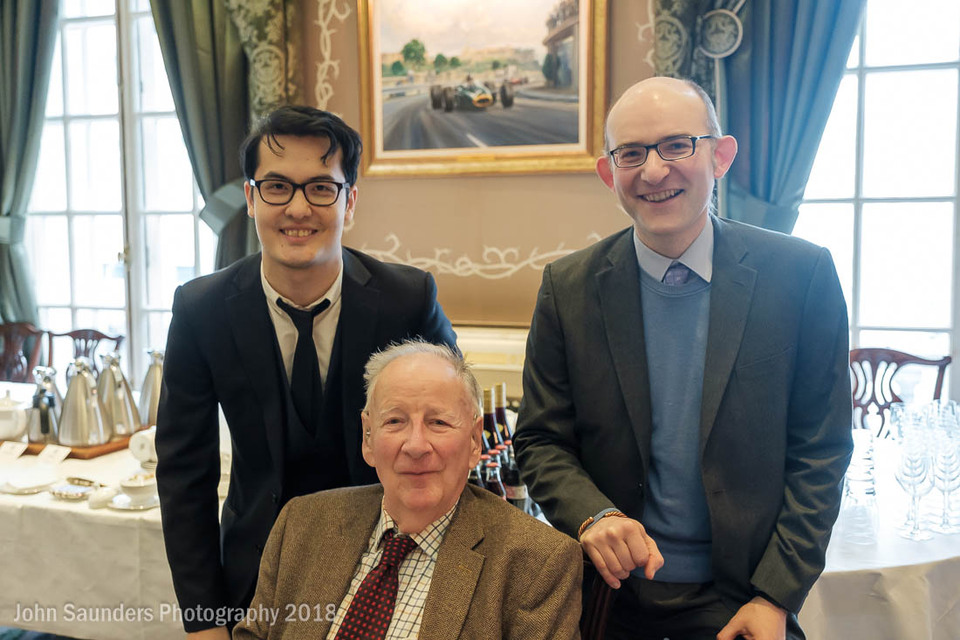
point(437, 222)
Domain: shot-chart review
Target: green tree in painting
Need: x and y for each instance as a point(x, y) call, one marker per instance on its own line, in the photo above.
point(495, 65)
point(440, 62)
point(414, 52)
point(455, 62)
point(550, 64)
point(397, 68)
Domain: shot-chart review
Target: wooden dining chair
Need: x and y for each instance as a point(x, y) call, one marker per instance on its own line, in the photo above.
point(597, 599)
point(85, 343)
point(16, 364)
point(873, 371)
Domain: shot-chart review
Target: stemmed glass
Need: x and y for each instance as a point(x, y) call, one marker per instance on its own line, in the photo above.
point(945, 421)
point(915, 471)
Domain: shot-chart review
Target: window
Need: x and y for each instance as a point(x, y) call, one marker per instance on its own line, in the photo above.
point(113, 214)
point(883, 193)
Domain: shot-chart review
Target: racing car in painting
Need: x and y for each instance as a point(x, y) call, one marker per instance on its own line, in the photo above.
point(470, 95)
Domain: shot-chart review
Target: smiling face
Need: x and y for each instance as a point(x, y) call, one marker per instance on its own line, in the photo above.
point(422, 435)
point(300, 241)
point(667, 200)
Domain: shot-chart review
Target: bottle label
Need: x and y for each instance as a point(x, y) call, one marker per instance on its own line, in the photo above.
point(516, 492)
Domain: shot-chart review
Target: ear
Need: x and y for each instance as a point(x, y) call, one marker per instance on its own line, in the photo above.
point(351, 205)
point(723, 154)
point(605, 170)
point(475, 446)
point(248, 193)
point(366, 447)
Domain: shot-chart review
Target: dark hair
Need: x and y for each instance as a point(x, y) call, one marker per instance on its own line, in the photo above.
point(303, 121)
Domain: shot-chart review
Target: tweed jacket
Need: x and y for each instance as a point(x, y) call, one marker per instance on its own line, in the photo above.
point(499, 573)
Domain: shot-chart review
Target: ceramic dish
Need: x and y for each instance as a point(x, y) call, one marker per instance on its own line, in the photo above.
point(123, 502)
point(74, 489)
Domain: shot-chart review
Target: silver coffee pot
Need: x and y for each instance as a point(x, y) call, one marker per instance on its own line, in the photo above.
point(119, 409)
point(43, 416)
point(150, 391)
point(81, 420)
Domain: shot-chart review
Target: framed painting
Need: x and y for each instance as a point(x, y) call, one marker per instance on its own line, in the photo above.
point(459, 87)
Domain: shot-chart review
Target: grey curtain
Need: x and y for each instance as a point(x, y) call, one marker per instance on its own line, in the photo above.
point(676, 49)
point(780, 87)
point(207, 70)
point(28, 35)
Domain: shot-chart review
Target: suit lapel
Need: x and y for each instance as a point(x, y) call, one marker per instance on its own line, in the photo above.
point(357, 326)
point(619, 290)
point(730, 294)
point(455, 575)
point(250, 323)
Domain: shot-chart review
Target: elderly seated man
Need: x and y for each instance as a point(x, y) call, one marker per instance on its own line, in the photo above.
point(421, 555)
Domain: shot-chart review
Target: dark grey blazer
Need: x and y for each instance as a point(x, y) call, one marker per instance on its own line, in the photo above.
point(220, 350)
point(776, 409)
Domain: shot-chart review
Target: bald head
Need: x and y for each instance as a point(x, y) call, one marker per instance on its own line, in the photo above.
point(651, 98)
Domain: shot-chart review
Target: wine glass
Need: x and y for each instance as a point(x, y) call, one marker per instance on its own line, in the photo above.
point(945, 420)
point(915, 471)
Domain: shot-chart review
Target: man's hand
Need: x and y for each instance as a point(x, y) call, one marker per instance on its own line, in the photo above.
point(617, 546)
point(216, 633)
point(759, 619)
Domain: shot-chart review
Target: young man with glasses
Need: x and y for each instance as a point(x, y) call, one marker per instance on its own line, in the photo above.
point(278, 341)
point(686, 401)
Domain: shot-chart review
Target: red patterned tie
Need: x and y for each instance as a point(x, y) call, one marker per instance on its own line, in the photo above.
point(371, 610)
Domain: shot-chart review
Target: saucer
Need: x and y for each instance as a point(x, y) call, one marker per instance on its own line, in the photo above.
point(123, 502)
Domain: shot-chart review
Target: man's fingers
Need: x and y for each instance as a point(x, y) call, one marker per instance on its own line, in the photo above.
point(601, 566)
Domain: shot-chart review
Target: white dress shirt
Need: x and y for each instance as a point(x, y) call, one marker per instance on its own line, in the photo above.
point(324, 324)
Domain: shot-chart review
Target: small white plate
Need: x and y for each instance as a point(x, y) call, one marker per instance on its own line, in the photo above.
point(23, 491)
point(123, 502)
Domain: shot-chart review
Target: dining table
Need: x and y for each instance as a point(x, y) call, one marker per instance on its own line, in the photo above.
point(891, 589)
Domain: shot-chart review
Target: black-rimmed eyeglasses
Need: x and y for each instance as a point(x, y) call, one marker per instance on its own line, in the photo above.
point(676, 148)
point(319, 193)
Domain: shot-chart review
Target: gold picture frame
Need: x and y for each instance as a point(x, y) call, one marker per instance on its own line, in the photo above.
point(497, 108)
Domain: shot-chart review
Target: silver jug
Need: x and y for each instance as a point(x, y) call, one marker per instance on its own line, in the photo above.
point(47, 377)
point(150, 391)
point(119, 409)
point(81, 420)
point(43, 415)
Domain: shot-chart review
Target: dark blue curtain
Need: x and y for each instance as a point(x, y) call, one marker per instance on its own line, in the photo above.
point(28, 33)
point(780, 86)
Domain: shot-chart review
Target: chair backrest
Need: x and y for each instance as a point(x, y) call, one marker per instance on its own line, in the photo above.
point(15, 364)
point(597, 599)
point(85, 343)
point(873, 371)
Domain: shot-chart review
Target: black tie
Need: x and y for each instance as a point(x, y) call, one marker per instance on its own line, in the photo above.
point(306, 385)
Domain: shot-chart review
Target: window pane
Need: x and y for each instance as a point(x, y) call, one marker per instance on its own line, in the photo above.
point(170, 256)
point(95, 165)
point(99, 276)
point(50, 183)
point(91, 58)
point(158, 323)
point(906, 264)
point(49, 258)
point(154, 88)
point(85, 8)
point(208, 248)
point(923, 31)
point(833, 170)
point(913, 382)
point(55, 92)
point(110, 321)
point(55, 319)
point(167, 172)
point(831, 226)
point(910, 134)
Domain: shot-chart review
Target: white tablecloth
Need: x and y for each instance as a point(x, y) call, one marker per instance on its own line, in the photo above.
point(68, 569)
point(896, 589)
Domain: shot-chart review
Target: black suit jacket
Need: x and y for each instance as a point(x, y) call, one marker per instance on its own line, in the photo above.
point(221, 350)
point(775, 416)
